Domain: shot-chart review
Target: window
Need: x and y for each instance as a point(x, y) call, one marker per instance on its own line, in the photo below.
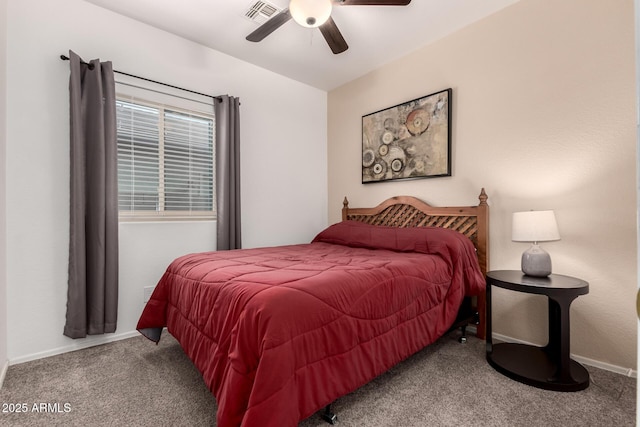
point(165, 162)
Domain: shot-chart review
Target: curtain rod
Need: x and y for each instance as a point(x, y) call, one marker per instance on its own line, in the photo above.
point(217, 98)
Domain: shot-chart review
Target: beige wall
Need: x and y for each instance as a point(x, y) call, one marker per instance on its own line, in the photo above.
point(3, 160)
point(543, 118)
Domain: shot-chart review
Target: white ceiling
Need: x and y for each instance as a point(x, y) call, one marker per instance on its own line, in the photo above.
point(375, 34)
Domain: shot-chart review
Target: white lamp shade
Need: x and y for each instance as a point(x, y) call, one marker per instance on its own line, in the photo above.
point(310, 13)
point(534, 226)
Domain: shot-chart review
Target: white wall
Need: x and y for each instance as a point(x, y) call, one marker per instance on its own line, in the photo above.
point(3, 222)
point(283, 131)
point(544, 117)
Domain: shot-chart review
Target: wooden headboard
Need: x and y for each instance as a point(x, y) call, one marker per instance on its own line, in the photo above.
point(407, 211)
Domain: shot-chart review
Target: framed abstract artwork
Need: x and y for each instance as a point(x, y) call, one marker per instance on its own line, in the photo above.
point(409, 140)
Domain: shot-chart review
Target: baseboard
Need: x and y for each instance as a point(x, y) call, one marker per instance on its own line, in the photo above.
point(91, 341)
point(584, 360)
point(111, 338)
point(3, 372)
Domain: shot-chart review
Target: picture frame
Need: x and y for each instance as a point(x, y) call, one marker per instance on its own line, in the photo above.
point(409, 140)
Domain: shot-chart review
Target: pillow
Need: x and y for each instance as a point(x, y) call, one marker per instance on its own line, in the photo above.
point(358, 234)
point(453, 247)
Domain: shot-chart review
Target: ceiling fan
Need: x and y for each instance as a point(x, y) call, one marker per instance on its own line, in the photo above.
point(317, 13)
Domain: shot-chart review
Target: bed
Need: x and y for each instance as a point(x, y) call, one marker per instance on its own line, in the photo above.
point(280, 333)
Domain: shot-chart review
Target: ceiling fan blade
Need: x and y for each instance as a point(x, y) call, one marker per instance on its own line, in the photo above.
point(270, 26)
point(333, 36)
point(373, 2)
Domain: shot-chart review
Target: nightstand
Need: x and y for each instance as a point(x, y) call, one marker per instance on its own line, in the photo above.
point(549, 367)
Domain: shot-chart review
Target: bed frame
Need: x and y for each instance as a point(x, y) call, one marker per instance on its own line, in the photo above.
point(407, 211)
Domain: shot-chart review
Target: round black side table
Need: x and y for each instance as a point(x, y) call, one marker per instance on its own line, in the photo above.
point(549, 367)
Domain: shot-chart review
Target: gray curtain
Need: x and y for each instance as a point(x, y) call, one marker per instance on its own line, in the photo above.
point(227, 111)
point(92, 297)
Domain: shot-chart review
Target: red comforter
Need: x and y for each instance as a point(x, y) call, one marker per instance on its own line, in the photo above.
point(279, 333)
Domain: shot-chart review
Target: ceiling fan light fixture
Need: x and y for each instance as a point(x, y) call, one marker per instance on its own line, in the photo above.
point(310, 13)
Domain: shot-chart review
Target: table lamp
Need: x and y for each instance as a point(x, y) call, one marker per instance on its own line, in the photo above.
point(534, 227)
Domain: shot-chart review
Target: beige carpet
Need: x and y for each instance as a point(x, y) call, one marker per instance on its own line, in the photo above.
point(136, 383)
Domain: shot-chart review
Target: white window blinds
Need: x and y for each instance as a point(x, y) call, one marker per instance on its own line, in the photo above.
point(165, 162)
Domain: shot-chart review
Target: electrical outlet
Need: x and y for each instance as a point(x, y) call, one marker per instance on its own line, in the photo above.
point(148, 290)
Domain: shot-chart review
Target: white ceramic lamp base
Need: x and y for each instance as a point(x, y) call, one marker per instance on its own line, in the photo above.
point(536, 262)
